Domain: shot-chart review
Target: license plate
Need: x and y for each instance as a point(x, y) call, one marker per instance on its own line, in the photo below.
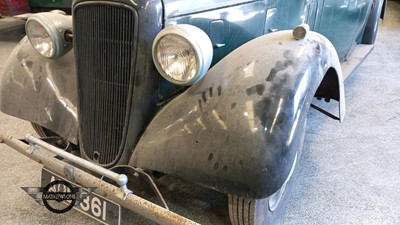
point(95, 206)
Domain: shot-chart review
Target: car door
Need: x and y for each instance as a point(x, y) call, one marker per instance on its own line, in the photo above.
point(342, 22)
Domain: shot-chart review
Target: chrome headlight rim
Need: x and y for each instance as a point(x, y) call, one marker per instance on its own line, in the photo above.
point(55, 25)
point(47, 26)
point(197, 39)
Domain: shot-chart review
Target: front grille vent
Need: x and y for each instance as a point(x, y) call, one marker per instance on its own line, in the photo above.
point(104, 38)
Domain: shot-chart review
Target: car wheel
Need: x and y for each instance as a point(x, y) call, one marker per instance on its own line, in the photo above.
point(245, 211)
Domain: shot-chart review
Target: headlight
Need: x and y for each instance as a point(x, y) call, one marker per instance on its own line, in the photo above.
point(47, 33)
point(182, 54)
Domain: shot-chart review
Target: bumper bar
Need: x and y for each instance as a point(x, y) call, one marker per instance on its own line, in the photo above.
point(132, 202)
point(121, 179)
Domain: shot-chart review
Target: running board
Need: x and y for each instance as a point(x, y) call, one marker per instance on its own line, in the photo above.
point(360, 52)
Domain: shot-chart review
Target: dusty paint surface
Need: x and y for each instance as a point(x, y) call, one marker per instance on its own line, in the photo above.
point(244, 137)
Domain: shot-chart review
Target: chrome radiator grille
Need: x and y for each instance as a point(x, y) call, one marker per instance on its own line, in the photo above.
point(104, 38)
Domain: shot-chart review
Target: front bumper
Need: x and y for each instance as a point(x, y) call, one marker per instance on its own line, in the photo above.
point(39, 153)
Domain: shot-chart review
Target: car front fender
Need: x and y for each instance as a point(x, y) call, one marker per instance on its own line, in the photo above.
point(41, 90)
point(238, 129)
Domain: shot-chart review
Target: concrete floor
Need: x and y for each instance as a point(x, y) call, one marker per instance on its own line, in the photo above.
point(349, 172)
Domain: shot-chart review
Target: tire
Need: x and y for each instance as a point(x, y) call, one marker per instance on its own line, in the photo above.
point(267, 211)
point(43, 132)
point(244, 211)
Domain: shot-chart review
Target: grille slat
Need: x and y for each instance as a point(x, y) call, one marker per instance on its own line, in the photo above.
point(105, 53)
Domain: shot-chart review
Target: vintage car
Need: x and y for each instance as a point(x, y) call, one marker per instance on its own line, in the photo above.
point(213, 92)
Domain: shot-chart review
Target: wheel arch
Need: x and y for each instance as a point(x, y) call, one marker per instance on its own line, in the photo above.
point(329, 86)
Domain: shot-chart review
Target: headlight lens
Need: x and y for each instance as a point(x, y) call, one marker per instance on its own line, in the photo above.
point(40, 38)
point(177, 58)
point(46, 32)
point(182, 54)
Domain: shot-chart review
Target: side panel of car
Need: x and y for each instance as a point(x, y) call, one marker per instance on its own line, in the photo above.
point(342, 21)
point(240, 21)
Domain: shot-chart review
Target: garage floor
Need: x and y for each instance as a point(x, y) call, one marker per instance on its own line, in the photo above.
point(349, 172)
